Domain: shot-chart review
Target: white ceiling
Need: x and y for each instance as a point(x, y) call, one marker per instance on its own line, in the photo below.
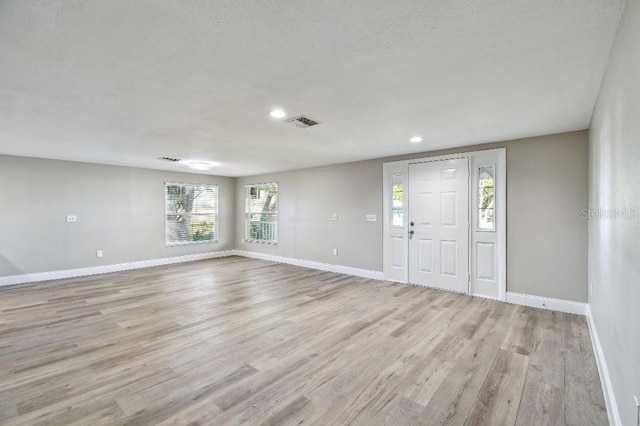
point(124, 83)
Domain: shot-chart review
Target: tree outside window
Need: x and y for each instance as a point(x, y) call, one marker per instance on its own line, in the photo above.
point(191, 213)
point(261, 214)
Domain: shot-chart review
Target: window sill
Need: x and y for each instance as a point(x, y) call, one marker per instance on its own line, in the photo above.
point(190, 243)
point(266, 243)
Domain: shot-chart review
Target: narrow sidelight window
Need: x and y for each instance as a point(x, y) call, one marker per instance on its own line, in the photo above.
point(397, 208)
point(486, 198)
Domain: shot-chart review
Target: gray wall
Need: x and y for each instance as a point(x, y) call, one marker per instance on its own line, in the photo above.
point(546, 236)
point(307, 200)
point(120, 211)
point(547, 189)
point(614, 243)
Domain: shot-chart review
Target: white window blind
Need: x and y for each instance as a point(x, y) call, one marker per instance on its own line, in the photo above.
point(191, 213)
point(261, 213)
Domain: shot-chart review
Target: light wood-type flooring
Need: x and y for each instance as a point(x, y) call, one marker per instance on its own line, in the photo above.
point(243, 341)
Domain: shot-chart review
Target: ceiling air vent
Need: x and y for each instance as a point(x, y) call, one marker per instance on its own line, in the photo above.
point(301, 121)
point(173, 160)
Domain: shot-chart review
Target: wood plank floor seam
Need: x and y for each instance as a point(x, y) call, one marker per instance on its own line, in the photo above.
point(245, 341)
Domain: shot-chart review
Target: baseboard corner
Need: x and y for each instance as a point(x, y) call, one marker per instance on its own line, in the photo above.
point(567, 306)
point(603, 371)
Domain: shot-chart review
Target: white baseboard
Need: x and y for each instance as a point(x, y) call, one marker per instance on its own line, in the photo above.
point(93, 270)
point(365, 273)
point(560, 305)
point(483, 296)
point(605, 379)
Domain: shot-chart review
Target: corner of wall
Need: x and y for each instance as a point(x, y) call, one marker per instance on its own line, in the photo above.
point(605, 378)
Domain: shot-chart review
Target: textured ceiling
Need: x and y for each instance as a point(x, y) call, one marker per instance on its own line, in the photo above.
point(124, 83)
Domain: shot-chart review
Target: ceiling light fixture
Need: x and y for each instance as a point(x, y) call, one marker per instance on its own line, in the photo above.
point(416, 139)
point(200, 165)
point(277, 113)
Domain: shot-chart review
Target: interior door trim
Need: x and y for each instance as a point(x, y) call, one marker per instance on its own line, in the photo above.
point(496, 156)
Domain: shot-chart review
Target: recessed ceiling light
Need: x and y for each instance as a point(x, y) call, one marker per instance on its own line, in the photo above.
point(200, 165)
point(277, 113)
point(416, 139)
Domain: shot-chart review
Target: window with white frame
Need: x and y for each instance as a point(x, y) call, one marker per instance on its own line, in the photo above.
point(191, 213)
point(261, 213)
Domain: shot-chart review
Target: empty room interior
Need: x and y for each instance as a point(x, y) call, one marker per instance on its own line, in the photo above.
point(320, 212)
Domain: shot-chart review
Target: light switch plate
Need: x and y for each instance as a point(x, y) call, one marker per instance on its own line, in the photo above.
point(371, 218)
point(72, 218)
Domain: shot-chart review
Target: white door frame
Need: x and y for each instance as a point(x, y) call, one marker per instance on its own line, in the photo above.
point(479, 285)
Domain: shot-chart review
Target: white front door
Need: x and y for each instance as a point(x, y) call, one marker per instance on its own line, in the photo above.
point(439, 224)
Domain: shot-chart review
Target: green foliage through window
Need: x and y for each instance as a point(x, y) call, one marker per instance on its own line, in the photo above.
point(191, 212)
point(261, 215)
point(486, 198)
point(397, 207)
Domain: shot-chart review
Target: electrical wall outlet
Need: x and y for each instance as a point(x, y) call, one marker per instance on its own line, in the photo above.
point(98, 253)
point(371, 218)
point(335, 216)
point(335, 251)
point(72, 218)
